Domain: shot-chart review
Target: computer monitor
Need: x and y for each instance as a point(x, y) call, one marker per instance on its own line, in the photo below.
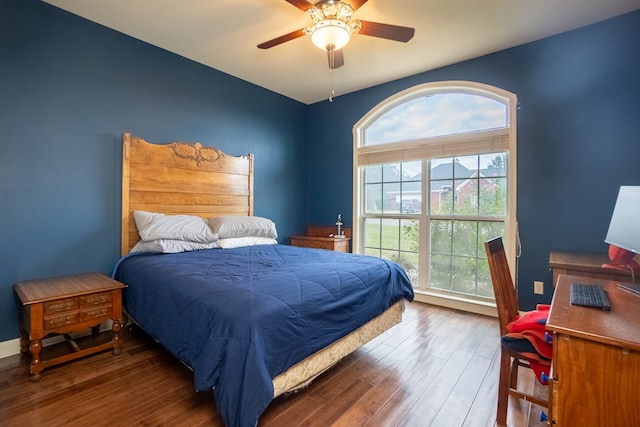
point(624, 230)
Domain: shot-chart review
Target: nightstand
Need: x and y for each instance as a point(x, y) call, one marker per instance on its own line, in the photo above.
point(64, 305)
point(317, 236)
point(330, 243)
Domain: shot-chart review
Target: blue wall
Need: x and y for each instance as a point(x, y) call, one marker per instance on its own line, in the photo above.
point(578, 137)
point(70, 88)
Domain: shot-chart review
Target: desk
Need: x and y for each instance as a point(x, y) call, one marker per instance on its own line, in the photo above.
point(584, 264)
point(596, 358)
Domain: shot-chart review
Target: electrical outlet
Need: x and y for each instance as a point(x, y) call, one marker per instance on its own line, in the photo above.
point(538, 287)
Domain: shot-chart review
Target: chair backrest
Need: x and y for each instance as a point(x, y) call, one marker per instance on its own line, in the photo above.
point(505, 293)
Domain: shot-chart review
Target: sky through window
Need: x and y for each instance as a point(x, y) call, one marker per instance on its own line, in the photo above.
point(437, 115)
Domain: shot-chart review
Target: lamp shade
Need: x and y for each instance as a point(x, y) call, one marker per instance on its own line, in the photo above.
point(330, 34)
point(624, 229)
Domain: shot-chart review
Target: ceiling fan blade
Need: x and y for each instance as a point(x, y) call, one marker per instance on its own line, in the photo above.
point(387, 31)
point(336, 59)
point(356, 4)
point(279, 40)
point(303, 5)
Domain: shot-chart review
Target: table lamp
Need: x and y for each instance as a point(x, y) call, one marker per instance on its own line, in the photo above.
point(623, 236)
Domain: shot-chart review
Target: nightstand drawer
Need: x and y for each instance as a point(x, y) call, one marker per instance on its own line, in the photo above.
point(95, 299)
point(56, 322)
point(318, 245)
point(57, 306)
point(96, 314)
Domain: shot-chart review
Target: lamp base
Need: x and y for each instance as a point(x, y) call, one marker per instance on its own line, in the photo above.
point(621, 259)
point(630, 266)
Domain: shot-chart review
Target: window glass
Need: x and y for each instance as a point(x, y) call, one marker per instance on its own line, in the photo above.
point(393, 188)
point(467, 206)
point(436, 115)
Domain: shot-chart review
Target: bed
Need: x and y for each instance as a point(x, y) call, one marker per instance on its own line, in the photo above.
point(252, 320)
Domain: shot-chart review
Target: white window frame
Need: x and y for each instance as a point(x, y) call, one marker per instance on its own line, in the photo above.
point(435, 147)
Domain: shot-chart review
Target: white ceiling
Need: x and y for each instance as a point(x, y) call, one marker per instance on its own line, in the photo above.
point(223, 34)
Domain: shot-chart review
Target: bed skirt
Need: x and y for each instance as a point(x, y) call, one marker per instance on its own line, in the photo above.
point(301, 374)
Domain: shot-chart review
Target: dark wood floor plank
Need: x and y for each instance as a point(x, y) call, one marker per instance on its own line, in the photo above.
point(340, 403)
point(290, 410)
point(83, 407)
point(438, 367)
point(404, 400)
point(480, 412)
point(439, 389)
point(456, 407)
point(44, 395)
point(379, 395)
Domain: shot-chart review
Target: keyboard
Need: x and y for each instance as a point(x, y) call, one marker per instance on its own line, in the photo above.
point(589, 295)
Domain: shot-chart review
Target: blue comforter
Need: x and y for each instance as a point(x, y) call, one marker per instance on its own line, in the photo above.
point(239, 317)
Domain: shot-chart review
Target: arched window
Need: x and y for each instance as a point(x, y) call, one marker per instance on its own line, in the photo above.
point(434, 178)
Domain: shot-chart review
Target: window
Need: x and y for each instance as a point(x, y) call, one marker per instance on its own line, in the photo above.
point(433, 180)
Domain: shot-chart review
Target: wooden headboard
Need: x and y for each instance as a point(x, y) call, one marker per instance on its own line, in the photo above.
point(181, 178)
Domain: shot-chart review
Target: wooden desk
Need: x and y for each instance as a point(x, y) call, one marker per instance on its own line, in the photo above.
point(584, 264)
point(596, 358)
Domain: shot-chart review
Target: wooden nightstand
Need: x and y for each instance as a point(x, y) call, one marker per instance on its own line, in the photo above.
point(62, 305)
point(318, 237)
point(331, 243)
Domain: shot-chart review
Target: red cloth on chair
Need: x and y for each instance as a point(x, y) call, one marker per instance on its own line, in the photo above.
point(526, 334)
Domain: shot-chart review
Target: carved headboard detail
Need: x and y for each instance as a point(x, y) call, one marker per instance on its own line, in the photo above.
point(196, 152)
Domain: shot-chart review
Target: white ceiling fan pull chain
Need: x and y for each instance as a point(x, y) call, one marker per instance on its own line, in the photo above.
point(332, 92)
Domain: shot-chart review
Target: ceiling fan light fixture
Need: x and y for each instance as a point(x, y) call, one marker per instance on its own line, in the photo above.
point(315, 14)
point(337, 10)
point(330, 34)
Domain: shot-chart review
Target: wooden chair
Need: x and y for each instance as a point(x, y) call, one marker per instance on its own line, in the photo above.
point(507, 305)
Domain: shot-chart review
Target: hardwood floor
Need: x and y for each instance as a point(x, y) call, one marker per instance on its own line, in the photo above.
point(439, 367)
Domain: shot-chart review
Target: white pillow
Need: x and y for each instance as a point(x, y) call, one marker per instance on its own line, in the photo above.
point(243, 226)
point(237, 242)
point(168, 246)
point(157, 226)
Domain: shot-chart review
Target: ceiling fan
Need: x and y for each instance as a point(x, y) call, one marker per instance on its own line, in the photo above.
point(332, 28)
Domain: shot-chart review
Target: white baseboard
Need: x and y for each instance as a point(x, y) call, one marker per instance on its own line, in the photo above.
point(457, 303)
point(9, 348)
